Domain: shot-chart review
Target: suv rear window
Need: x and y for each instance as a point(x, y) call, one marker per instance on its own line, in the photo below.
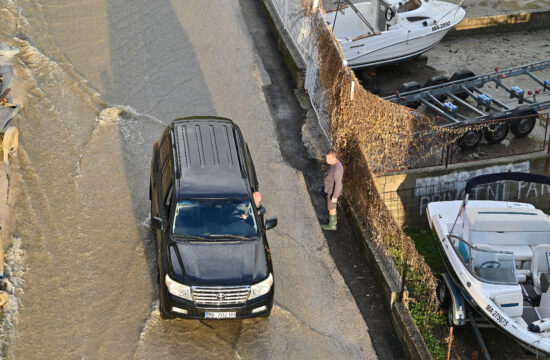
point(214, 218)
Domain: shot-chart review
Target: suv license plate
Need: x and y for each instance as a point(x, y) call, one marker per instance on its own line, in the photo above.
point(220, 315)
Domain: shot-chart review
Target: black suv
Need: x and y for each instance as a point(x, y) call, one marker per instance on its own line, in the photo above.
point(212, 252)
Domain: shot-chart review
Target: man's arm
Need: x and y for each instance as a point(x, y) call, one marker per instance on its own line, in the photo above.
point(338, 174)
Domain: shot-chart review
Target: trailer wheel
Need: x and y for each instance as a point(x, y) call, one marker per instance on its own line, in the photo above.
point(526, 123)
point(410, 86)
point(443, 294)
point(437, 80)
point(497, 131)
point(470, 139)
point(461, 75)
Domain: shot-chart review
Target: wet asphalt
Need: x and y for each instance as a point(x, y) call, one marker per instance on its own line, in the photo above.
point(345, 248)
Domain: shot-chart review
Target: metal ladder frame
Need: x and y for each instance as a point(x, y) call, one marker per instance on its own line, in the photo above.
point(472, 86)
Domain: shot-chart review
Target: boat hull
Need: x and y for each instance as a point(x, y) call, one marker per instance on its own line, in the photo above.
point(396, 52)
point(471, 298)
point(375, 42)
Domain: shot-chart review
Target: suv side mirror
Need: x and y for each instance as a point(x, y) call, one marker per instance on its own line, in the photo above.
point(158, 223)
point(270, 223)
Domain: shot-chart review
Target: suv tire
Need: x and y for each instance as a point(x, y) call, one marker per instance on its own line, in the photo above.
point(162, 290)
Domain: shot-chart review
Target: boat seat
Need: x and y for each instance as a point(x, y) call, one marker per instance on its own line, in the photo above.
point(539, 266)
point(523, 275)
point(522, 254)
point(511, 303)
point(528, 238)
point(526, 272)
point(544, 306)
point(491, 220)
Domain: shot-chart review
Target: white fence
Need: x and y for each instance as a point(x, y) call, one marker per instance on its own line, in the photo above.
point(302, 33)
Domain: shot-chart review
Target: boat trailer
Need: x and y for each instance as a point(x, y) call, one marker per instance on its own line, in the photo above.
point(448, 98)
point(459, 313)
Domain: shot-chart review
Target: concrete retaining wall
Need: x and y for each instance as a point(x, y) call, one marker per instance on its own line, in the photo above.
point(517, 21)
point(405, 328)
point(407, 194)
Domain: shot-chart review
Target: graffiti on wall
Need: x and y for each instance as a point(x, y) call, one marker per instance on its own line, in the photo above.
point(451, 186)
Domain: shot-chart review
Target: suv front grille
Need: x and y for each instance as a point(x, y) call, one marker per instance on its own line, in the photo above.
point(220, 295)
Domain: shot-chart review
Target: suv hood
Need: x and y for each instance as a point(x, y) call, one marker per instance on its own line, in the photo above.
point(218, 263)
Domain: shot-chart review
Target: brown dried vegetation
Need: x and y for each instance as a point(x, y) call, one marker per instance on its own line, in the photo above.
point(370, 134)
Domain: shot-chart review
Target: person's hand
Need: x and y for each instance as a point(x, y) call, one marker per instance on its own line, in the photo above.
point(334, 200)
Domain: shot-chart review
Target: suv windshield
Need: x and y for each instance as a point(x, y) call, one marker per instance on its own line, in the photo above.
point(214, 218)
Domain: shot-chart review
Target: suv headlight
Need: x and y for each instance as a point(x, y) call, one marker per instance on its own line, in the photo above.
point(177, 289)
point(261, 288)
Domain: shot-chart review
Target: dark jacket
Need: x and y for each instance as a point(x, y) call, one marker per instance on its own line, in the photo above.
point(333, 180)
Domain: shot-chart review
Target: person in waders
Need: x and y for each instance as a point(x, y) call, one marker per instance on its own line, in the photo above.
point(332, 187)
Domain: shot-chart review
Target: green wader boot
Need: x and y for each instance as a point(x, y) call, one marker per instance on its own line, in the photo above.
point(331, 226)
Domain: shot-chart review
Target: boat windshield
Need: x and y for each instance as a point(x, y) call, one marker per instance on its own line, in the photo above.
point(485, 264)
point(409, 5)
point(215, 218)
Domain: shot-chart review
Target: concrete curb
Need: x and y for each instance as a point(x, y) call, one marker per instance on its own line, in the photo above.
point(517, 21)
point(407, 331)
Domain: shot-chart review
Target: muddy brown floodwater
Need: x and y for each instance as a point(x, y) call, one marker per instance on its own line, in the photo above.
point(99, 81)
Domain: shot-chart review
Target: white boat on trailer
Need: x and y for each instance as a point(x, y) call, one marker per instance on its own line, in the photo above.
point(379, 32)
point(497, 254)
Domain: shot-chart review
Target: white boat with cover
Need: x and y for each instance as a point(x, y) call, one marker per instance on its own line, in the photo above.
point(498, 254)
point(378, 32)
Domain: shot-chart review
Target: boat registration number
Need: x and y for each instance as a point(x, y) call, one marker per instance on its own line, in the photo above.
point(497, 315)
point(220, 315)
point(441, 26)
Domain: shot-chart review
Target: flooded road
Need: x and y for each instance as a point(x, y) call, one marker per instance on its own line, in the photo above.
point(99, 81)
